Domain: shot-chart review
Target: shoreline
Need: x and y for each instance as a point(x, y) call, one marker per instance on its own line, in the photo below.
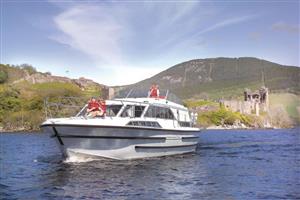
point(241, 128)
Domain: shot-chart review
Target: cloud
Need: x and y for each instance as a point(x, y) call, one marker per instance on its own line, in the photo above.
point(91, 31)
point(228, 22)
point(123, 37)
point(282, 26)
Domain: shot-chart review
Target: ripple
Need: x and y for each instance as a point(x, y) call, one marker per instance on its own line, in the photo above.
point(231, 164)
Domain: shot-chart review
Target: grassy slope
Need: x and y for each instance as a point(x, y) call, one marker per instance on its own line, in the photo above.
point(289, 101)
point(225, 77)
point(22, 103)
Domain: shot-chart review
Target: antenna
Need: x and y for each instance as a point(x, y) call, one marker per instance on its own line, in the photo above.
point(167, 94)
point(128, 93)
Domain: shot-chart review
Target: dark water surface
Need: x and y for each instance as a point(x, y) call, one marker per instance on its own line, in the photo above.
point(260, 164)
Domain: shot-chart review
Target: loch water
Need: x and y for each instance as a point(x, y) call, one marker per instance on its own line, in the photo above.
point(228, 164)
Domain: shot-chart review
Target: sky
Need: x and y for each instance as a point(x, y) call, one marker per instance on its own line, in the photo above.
point(123, 42)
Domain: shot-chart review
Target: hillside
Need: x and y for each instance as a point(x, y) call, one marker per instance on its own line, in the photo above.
point(23, 91)
point(224, 77)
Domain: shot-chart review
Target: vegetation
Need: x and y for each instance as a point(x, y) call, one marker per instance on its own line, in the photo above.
point(18, 110)
point(22, 103)
point(225, 78)
point(289, 102)
point(28, 68)
point(3, 76)
point(192, 104)
point(223, 117)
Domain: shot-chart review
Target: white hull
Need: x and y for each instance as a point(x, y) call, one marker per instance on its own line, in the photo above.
point(121, 143)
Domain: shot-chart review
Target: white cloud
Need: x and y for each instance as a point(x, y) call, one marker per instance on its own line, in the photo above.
point(228, 22)
point(92, 31)
point(123, 38)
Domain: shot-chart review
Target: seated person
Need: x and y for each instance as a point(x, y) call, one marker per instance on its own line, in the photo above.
point(102, 105)
point(94, 108)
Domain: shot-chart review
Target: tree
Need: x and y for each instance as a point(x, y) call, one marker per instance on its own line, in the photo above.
point(3, 76)
point(29, 68)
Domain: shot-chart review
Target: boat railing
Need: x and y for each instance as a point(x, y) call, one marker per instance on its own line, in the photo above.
point(144, 93)
point(69, 106)
point(63, 106)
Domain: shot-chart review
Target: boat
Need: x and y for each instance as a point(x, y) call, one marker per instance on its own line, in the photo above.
point(134, 127)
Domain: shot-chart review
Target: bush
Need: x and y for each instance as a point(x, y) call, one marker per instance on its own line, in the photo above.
point(9, 100)
point(56, 89)
point(35, 103)
point(23, 120)
point(29, 68)
point(3, 76)
point(224, 117)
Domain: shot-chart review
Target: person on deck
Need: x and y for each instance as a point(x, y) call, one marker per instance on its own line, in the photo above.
point(102, 105)
point(94, 108)
point(154, 91)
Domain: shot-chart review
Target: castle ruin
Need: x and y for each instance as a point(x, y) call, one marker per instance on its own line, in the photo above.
point(254, 102)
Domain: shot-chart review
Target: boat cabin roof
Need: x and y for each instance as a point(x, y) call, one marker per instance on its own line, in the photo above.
point(145, 101)
point(140, 94)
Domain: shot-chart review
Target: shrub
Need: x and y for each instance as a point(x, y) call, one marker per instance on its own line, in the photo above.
point(57, 89)
point(224, 117)
point(3, 76)
point(29, 68)
point(28, 120)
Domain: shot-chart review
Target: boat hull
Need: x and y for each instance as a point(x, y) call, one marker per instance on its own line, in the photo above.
point(121, 143)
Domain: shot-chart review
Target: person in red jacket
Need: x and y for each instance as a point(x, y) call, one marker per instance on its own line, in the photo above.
point(154, 91)
point(94, 108)
point(102, 105)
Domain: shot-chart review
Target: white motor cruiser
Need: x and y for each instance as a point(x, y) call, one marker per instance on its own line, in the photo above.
point(133, 127)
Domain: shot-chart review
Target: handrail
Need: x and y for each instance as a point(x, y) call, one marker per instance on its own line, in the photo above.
point(129, 93)
point(167, 93)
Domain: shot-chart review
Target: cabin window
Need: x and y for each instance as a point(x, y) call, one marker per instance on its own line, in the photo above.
point(159, 112)
point(132, 111)
point(144, 123)
point(138, 110)
point(112, 110)
point(185, 124)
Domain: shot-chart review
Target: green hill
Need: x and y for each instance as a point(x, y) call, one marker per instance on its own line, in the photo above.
point(23, 91)
point(224, 77)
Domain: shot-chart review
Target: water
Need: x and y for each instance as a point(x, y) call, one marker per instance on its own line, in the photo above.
point(260, 164)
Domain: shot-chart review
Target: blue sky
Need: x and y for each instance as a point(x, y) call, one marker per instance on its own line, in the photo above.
point(124, 42)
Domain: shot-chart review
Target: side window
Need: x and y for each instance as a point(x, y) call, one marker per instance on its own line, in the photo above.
point(159, 112)
point(138, 110)
point(112, 110)
point(168, 113)
point(128, 111)
point(132, 111)
point(185, 124)
point(144, 123)
point(151, 112)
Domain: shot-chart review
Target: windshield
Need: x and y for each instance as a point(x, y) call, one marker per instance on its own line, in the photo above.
point(142, 93)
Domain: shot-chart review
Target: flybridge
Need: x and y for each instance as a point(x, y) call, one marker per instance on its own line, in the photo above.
point(143, 93)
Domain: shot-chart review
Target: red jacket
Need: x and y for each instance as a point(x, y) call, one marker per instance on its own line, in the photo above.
point(94, 105)
point(103, 106)
point(153, 92)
